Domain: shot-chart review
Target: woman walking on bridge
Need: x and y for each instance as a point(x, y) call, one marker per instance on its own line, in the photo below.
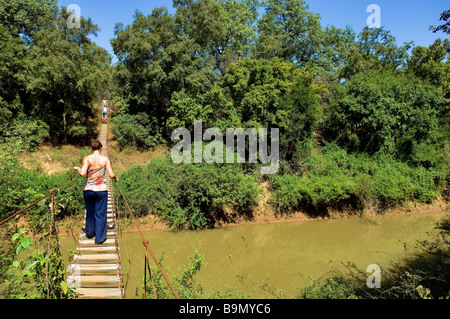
point(96, 191)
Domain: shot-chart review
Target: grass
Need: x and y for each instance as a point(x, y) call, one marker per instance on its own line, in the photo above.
point(49, 159)
point(122, 161)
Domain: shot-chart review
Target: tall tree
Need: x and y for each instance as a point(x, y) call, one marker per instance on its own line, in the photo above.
point(375, 48)
point(26, 17)
point(382, 112)
point(165, 58)
point(432, 63)
point(224, 29)
point(288, 30)
point(19, 22)
point(62, 76)
point(12, 63)
point(156, 59)
point(445, 16)
point(333, 55)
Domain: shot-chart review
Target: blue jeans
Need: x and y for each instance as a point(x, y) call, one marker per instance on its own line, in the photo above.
point(96, 207)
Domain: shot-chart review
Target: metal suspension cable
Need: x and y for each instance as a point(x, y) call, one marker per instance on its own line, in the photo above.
point(147, 268)
point(52, 212)
point(146, 242)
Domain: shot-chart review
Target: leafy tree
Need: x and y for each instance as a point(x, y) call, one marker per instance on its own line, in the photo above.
point(50, 71)
point(303, 110)
point(133, 130)
point(288, 30)
point(19, 21)
point(274, 94)
point(185, 109)
point(157, 60)
point(257, 88)
point(432, 64)
point(376, 48)
point(64, 71)
point(445, 16)
point(25, 17)
point(12, 63)
point(379, 111)
point(224, 29)
point(333, 54)
point(169, 61)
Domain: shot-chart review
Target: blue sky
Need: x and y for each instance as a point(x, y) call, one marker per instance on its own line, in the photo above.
point(407, 20)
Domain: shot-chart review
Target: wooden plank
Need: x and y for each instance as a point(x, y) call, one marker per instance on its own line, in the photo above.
point(99, 248)
point(95, 267)
point(100, 293)
point(94, 278)
point(91, 257)
point(109, 241)
point(108, 233)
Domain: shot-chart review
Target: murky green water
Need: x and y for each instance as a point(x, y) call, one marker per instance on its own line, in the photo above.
point(287, 256)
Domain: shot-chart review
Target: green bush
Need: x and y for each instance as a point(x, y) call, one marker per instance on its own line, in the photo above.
point(19, 187)
point(378, 111)
point(292, 192)
point(340, 180)
point(137, 131)
point(332, 287)
point(188, 195)
point(25, 133)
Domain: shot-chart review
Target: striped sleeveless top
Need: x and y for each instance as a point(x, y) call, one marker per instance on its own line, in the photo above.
point(96, 175)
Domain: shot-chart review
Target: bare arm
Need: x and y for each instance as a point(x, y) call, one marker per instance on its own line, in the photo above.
point(83, 171)
point(110, 170)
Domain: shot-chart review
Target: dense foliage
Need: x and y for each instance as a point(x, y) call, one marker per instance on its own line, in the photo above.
point(364, 122)
point(50, 73)
point(188, 195)
point(354, 182)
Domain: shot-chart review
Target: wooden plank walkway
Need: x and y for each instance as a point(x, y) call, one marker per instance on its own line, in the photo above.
point(95, 272)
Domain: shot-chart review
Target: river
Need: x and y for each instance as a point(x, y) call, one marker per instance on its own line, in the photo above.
point(286, 256)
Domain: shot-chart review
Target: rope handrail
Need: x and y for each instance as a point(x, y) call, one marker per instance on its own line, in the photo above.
point(146, 242)
point(37, 201)
point(52, 193)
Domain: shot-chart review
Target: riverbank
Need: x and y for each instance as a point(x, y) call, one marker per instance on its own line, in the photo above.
point(264, 214)
point(50, 160)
